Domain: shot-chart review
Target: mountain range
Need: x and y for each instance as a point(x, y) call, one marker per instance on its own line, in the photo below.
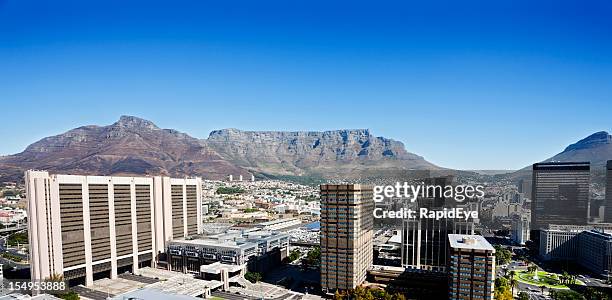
point(134, 146)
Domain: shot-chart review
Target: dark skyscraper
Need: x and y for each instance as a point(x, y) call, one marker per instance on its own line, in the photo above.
point(608, 209)
point(560, 194)
point(425, 240)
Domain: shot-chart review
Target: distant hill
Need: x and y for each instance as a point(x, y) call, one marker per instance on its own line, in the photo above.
point(135, 146)
point(596, 149)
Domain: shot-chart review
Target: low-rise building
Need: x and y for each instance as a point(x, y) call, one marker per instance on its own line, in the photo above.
point(256, 251)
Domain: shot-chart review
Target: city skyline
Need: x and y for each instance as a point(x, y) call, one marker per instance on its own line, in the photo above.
point(485, 79)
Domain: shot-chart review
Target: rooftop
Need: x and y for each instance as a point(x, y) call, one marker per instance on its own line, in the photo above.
point(468, 241)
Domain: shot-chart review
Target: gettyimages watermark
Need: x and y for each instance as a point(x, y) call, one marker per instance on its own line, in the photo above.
point(407, 192)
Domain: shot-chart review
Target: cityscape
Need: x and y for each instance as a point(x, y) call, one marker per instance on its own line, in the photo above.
point(157, 237)
point(305, 150)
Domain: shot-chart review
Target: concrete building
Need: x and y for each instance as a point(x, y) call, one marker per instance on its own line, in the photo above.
point(521, 224)
point(257, 251)
point(471, 267)
point(595, 252)
point(608, 203)
point(346, 235)
point(559, 243)
point(85, 225)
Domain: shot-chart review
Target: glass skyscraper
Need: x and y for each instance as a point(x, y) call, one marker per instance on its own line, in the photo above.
point(560, 194)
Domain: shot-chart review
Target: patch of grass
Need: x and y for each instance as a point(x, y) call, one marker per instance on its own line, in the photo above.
point(549, 280)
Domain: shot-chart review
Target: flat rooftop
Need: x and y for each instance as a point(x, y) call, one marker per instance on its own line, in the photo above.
point(153, 294)
point(469, 241)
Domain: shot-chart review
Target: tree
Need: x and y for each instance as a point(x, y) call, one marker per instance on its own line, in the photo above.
point(592, 293)
point(542, 288)
point(502, 289)
point(253, 277)
point(313, 257)
point(566, 295)
point(502, 255)
point(512, 282)
point(523, 296)
point(295, 254)
point(70, 296)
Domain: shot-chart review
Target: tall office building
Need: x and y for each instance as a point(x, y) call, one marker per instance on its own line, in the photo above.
point(85, 225)
point(471, 267)
point(346, 235)
point(560, 195)
point(608, 204)
point(425, 240)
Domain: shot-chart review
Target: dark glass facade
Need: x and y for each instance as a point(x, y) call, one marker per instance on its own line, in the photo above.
point(560, 194)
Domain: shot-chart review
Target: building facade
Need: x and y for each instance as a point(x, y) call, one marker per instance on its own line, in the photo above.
point(256, 251)
point(521, 224)
point(425, 242)
point(560, 195)
point(346, 235)
point(595, 252)
point(85, 225)
point(471, 267)
point(608, 204)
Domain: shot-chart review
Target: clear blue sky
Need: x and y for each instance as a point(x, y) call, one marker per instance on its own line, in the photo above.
point(470, 85)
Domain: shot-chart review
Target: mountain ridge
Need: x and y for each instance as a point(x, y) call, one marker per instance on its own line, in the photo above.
point(135, 146)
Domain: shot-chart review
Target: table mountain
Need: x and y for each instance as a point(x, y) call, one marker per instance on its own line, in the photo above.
point(136, 146)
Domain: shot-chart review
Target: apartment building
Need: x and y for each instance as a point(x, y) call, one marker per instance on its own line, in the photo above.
point(81, 226)
point(346, 235)
point(471, 267)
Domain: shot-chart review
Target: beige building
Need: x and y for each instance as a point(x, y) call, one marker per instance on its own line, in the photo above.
point(471, 267)
point(346, 235)
point(85, 225)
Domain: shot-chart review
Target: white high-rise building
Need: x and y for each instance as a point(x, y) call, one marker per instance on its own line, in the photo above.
point(85, 225)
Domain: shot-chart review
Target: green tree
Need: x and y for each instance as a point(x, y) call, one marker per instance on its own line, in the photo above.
point(502, 255)
point(523, 296)
point(591, 293)
point(295, 254)
point(253, 277)
point(512, 282)
point(565, 295)
point(502, 289)
point(70, 296)
point(313, 257)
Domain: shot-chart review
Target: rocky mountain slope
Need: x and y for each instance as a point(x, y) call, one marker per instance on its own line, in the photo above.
point(596, 149)
point(136, 146)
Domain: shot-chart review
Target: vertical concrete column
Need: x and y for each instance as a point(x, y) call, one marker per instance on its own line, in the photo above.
point(153, 223)
point(199, 204)
point(33, 236)
point(167, 209)
point(42, 226)
point(56, 230)
point(134, 227)
point(112, 228)
point(87, 232)
point(158, 206)
point(184, 207)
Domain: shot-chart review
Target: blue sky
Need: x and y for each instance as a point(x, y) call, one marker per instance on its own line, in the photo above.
point(470, 85)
